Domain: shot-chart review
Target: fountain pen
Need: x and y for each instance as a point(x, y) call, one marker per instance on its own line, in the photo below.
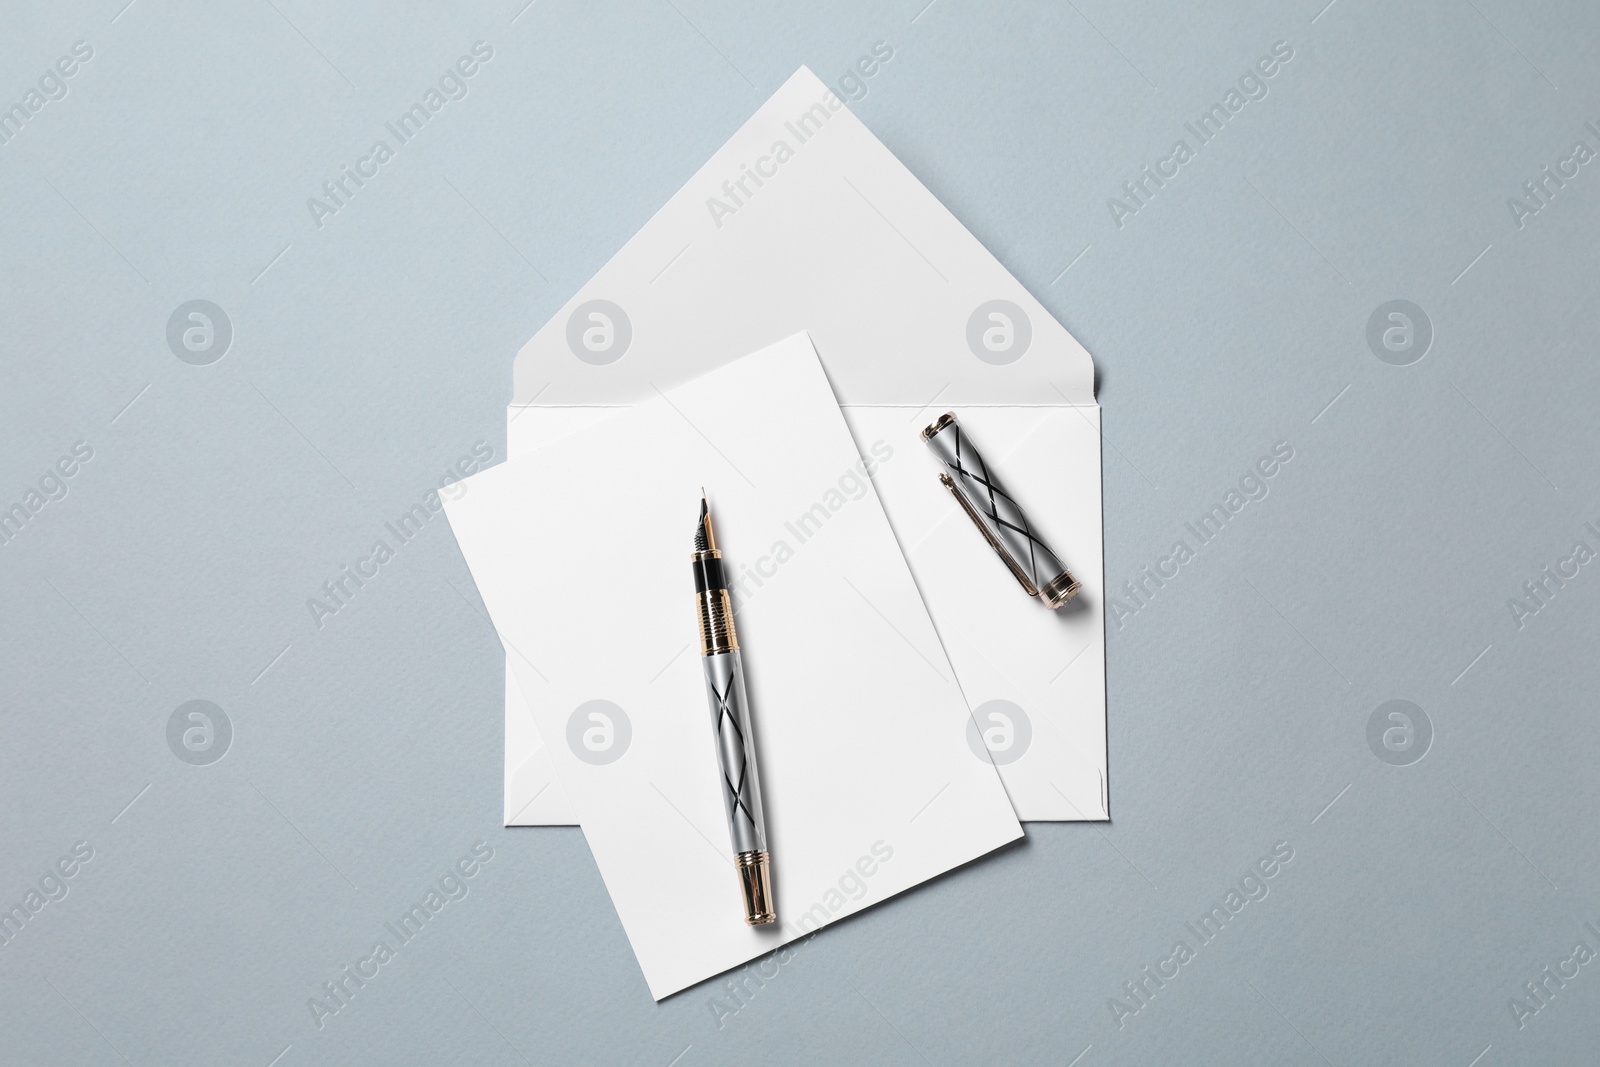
point(730, 724)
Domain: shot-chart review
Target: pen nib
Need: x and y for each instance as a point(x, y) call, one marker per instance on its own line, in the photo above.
point(702, 527)
point(705, 535)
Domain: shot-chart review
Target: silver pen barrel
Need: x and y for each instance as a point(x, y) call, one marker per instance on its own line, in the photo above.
point(730, 724)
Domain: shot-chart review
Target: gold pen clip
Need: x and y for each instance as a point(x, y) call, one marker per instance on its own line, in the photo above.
point(988, 535)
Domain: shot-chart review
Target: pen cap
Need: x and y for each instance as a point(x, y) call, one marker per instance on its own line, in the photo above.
point(998, 516)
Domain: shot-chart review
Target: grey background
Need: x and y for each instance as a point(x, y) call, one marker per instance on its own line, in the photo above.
point(371, 354)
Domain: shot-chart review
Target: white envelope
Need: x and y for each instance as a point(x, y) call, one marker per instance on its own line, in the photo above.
point(805, 221)
point(582, 552)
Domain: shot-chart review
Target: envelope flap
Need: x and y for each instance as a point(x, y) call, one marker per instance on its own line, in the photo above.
point(766, 240)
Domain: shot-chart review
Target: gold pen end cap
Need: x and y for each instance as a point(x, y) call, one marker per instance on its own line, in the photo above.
point(755, 883)
point(1058, 590)
point(943, 422)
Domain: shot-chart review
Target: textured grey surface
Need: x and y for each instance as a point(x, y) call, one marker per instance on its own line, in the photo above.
point(369, 355)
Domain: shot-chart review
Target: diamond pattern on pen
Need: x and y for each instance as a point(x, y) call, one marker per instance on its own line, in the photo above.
point(995, 495)
point(726, 720)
